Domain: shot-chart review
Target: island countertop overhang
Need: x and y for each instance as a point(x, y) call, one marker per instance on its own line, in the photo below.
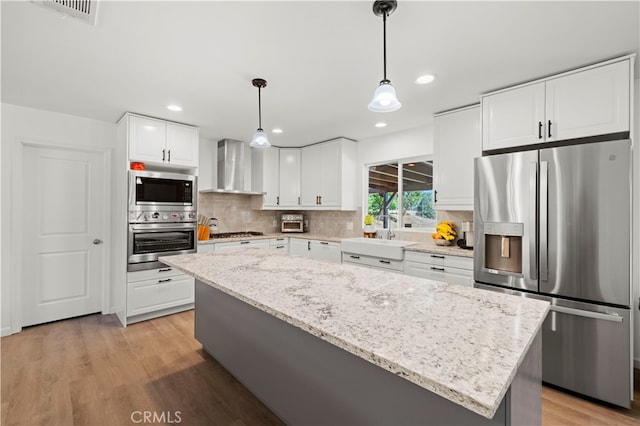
point(461, 343)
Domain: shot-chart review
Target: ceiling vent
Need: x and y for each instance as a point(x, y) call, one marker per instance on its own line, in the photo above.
point(85, 10)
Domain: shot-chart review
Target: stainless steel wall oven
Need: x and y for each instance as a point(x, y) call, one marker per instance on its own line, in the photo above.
point(162, 217)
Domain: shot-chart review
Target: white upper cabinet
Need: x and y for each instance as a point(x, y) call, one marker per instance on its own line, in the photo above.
point(457, 141)
point(289, 177)
point(182, 145)
point(161, 142)
point(587, 102)
point(311, 175)
point(513, 117)
point(265, 176)
point(593, 102)
point(276, 172)
point(328, 177)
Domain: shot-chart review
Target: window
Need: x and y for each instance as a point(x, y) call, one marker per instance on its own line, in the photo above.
point(401, 195)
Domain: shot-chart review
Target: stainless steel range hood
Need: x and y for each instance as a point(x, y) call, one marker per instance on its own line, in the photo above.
point(231, 168)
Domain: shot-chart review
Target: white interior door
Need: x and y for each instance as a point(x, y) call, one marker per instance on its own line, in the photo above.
point(63, 227)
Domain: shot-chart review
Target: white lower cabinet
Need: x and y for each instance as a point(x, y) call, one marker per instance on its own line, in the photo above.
point(280, 244)
point(439, 267)
point(316, 249)
point(231, 245)
point(373, 262)
point(157, 292)
point(205, 248)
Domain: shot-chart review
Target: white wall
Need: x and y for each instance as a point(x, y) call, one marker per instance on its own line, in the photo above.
point(636, 224)
point(28, 124)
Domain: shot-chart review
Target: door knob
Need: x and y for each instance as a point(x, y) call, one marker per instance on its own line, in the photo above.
point(97, 241)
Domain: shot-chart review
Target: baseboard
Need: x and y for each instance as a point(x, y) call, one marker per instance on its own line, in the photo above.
point(5, 331)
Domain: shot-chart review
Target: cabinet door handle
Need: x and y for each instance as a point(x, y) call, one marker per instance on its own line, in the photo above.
point(298, 200)
point(433, 268)
point(169, 155)
point(354, 257)
point(163, 152)
point(539, 129)
point(278, 200)
point(245, 242)
point(387, 262)
point(308, 245)
point(435, 196)
point(437, 256)
point(164, 281)
point(164, 270)
point(549, 132)
point(279, 247)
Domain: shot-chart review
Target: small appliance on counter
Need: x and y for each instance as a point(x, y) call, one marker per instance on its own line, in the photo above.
point(467, 235)
point(292, 223)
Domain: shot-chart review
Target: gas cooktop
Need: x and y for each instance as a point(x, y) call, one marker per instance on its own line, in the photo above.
point(236, 234)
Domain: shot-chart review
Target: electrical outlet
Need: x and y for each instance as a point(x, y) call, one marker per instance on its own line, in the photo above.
point(349, 226)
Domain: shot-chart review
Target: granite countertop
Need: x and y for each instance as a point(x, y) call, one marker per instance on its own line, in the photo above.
point(301, 235)
point(424, 247)
point(461, 343)
point(431, 247)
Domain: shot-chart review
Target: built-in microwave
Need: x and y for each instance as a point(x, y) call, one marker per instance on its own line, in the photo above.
point(166, 191)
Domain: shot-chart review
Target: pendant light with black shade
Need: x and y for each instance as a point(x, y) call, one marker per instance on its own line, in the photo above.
point(259, 139)
point(384, 98)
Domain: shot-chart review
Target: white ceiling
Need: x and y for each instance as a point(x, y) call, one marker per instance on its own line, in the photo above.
point(322, 60)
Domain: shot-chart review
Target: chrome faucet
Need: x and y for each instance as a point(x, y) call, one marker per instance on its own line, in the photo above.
point(390, 234)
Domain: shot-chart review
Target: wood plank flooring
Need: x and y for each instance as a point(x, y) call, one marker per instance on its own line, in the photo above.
point(91, 371)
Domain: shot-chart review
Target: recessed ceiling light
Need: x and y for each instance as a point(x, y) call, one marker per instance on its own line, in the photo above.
point(381, 124)
point(277, 130)
point(176, 108)
point(425, 79)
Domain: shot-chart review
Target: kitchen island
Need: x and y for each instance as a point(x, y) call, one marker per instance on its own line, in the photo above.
point(322, 343)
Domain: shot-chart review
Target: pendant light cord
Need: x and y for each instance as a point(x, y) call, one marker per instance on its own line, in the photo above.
point(384, 43)
point(259, 110)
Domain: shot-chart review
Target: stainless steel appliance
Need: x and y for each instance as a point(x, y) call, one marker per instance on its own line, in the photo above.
point(148, 241)
point(292, 223)
point(554, 224)
point(154, 191)
point(162, 217)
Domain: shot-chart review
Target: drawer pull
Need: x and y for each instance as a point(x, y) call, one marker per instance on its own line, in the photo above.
point(164, 281)
point(164, 270)
point(387, 262)
point(279, 247)
point(245, 242)
point(354, 257)
point(324, 242)
point(433, 268)
point(437, 256)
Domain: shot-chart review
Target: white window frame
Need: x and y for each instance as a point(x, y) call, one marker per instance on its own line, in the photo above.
point(365, 191)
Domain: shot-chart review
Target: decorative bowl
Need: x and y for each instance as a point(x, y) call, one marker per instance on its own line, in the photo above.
point(443, 242)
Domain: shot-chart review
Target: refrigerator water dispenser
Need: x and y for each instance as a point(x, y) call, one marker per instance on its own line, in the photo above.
point(503, 247)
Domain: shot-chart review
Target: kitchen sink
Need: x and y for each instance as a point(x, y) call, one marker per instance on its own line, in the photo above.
point(389, 249)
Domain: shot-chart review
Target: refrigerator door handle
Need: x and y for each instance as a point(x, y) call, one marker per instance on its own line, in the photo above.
point(533, 262)
point(544, 220)
point(587, 314)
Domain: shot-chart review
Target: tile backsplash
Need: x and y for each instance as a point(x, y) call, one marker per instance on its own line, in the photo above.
point(236, 212)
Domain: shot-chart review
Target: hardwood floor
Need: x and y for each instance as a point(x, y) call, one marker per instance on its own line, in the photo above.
point(91, 371)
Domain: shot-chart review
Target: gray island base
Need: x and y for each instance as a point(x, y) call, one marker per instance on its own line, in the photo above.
point(315, 353)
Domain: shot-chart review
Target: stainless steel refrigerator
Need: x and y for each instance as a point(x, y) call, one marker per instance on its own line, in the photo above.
point(555, 224)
